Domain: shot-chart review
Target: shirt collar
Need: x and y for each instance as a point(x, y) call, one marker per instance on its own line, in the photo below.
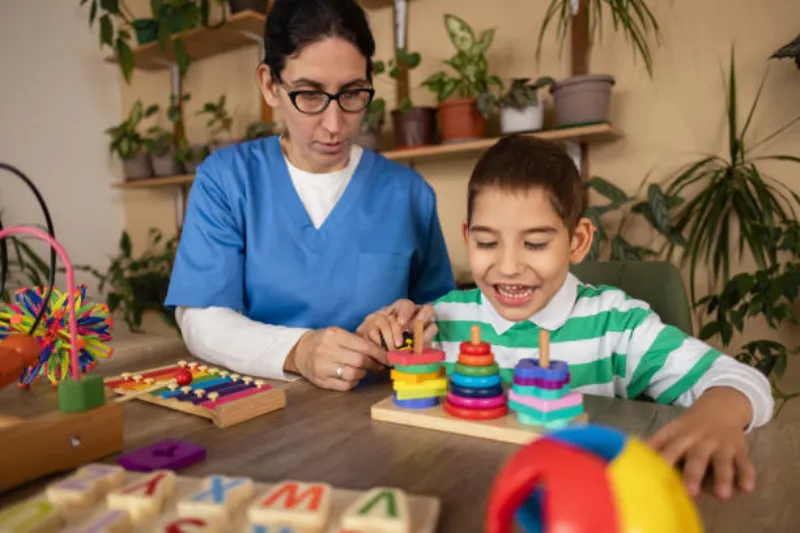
point(551, 317)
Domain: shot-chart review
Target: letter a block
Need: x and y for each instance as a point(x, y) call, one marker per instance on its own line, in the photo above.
point(145, 498)
point(380, 510)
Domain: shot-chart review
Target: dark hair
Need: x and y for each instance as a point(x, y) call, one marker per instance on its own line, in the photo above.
point(521, 163)
point(294, 24)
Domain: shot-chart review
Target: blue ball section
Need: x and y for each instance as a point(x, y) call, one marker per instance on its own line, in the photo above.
point(529, 514)
point(484, 392)
point(530, 369)
point(602, 441)
point(474, 381)
point(417, 403)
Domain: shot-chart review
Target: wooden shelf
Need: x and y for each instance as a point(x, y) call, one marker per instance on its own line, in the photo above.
point(240, 30)
point(587, 134)
point(376, 4)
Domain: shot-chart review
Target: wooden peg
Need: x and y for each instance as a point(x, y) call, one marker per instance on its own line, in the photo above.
point(125, 375)
point(137, 378)
point(419, 330)
point(235, 377)
point(199, 393)
point(259, 383)
point(247, 380)
point(181, 363)
point(213, 396)
point(544, 348)
point(186, 390)
point(149, 381)
point(475, 334)
point(202, 368)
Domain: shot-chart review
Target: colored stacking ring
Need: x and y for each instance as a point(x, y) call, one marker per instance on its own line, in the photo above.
point(467, 370)
point(476, 360)
point(484, 392)
point(530, 369)
point(482, 348)
point(541, 383)
point(416, 403)
point(476, 403)
point(475, 414)
point(474, 381)
point(419, 369)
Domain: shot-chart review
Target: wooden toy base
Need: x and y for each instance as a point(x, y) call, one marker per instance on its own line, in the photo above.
point(424, 511)
point(226, 411)
point(56, 442)
point(505, 429)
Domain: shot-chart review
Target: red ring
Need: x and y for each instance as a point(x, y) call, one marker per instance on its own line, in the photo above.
point(476, 360)
point(482, 348)
point(475, 414)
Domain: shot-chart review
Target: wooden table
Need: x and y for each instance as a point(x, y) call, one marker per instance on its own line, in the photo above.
point(329, 436)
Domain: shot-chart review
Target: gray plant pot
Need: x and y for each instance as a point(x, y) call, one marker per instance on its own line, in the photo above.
point(166, 165)
point(370, 140)
point(216, 145)
point(582, 99)
point(190, 166)
point(138, 166)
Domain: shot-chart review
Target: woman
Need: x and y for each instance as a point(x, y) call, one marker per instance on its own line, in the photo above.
point(290, 243)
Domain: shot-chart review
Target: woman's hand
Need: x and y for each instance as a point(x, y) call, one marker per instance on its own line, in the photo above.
point(386, 325)
point(710, 436)
point(320, 354)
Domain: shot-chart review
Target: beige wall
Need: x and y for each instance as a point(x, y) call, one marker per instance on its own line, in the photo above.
point(56, 98)
point(663, 121)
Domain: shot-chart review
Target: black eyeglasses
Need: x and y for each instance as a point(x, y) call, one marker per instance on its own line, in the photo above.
point(313, 102)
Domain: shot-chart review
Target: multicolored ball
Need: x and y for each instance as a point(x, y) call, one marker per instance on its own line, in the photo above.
point(93, 332)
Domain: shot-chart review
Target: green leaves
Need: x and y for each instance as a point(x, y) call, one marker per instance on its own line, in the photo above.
point(632, 18)
point(459, 32)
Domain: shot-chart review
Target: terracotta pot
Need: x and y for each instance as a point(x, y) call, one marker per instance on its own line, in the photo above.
point(371, 140)
point(416, 127)
point(460, 120)
point(582, 99)
point(138, 166)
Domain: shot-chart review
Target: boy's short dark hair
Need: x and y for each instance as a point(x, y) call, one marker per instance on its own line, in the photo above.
point(521, 163)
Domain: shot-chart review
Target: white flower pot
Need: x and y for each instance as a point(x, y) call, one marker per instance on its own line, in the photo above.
point(518, 120)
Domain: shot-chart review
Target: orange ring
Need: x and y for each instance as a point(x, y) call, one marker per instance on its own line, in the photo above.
point(475, 414)
point(476, 360)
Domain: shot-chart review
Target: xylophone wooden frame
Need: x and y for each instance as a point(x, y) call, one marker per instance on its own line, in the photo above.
point(223, 415)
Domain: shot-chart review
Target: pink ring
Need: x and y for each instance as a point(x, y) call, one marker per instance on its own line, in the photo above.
point(476, 403)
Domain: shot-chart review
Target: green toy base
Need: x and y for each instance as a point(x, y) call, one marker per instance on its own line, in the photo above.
point(81, 396)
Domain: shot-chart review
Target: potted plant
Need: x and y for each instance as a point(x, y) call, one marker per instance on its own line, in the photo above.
point(586, 98)
point(412, 125)
point(163, 151)
point(219, 122)
point(372, 124)
point(465, 100)
point(259, 130)
point(521, 109)
point(130, 145)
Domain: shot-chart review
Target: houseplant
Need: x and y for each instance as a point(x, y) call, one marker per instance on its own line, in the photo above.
point(520, 108)
point(219, 122)
point(258, 130)
point(789, 51)
point(162, 145)
point(372, 124)
point(412, 125)
point(465, 100)
point(130, 145)
point(585, 98)
point(731, 197)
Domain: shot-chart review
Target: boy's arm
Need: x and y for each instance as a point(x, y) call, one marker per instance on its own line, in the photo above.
point(674, 368)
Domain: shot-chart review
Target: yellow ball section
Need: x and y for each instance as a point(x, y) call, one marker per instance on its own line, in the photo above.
point(649, 493)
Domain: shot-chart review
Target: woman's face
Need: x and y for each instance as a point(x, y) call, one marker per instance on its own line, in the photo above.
point(319, 142)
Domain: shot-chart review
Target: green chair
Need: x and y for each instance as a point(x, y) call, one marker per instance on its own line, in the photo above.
point(655, 282)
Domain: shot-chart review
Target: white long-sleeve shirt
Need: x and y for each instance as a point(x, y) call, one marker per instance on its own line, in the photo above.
point(225, 337)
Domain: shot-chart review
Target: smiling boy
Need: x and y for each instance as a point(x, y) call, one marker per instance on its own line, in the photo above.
point(523, 230)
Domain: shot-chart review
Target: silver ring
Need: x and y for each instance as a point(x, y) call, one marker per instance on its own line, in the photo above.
point(339, 371)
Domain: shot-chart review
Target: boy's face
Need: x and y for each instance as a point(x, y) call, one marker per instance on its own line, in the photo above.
point(520, 250)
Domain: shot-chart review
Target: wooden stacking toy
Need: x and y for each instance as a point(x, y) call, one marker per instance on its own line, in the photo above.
point(540, 394)
point(418, 375)
point(476, 392)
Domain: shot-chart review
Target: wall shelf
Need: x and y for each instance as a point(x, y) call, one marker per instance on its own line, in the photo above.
point(240, 30)
point(581, 134)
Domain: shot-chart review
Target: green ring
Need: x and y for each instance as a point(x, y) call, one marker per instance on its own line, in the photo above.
point(419, 369)
point(467, 370)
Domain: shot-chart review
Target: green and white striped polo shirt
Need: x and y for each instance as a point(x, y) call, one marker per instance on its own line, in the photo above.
point(615, 345)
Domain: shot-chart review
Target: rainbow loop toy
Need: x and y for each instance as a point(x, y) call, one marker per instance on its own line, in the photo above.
point(93, 321)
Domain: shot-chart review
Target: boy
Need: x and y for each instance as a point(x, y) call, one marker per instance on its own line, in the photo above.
point(523, 230)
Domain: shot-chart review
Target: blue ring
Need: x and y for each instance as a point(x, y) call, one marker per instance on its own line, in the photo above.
point(484, 392)
point(474, 382)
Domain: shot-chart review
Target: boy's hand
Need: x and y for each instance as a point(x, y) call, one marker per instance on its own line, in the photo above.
point(710, 435)
point(389, 323)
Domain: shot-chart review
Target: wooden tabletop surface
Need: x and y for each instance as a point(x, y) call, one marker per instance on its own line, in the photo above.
point(329, 436)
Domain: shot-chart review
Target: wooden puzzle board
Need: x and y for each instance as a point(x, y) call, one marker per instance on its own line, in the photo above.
point(505, 429)
point(240, 397)
point(424, 512)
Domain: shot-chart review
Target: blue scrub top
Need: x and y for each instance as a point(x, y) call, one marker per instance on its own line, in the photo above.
point(248, 243)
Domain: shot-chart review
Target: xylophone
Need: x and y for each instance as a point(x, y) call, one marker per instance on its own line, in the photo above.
point(225, 397)
point(476, 403)
point(108, 498)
